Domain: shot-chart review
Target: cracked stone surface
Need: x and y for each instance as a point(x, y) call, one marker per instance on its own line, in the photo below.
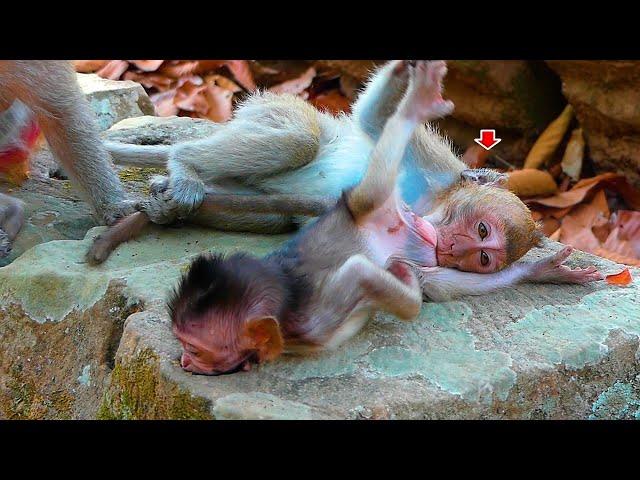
point(95, 342)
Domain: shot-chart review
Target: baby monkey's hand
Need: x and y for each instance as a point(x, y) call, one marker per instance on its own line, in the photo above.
point(552, 270)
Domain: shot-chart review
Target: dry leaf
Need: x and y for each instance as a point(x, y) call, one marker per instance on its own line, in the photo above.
point(624, 237)
point(89, 66)
point(163, 103)
point(585, 186)
point(573, 155)
point(549, 140)
point(332, 101)
point(622, 279)
point(616, 257)
point(577, 225)
point(190, 97)
point(242, 73)
point(475, 156)
point(147, 65)
point(150, 80)
point(114, 69)
point(530, 182)
point(220, 103)
point(179, 69)
point(296, 85)
point(223, 82)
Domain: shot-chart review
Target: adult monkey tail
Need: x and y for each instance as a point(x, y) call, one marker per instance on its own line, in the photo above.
point(138, 155)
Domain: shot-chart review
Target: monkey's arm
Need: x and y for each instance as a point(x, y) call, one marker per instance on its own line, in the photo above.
point(51, 90)
point(440, 284)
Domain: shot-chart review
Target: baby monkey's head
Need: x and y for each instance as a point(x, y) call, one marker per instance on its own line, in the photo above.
point(482, 228)
point(224, 311)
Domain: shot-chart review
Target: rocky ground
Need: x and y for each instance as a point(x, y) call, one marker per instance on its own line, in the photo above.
point(95, 342)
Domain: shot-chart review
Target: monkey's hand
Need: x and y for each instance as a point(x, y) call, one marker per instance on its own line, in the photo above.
point(169, 202)
point(552, 270)
point(5, 244)
point(423, 101)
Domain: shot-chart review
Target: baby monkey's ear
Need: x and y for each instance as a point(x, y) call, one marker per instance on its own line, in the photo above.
point(485, 176)
point(263, 334)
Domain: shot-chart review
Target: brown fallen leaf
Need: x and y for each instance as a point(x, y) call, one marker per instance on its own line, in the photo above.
point(577, 225)
point(147, 65)
point(150, 80)
point(242, 73)
point(332, 101)
point(297, 85)
point(163, 103)
point(223, 82)
point(530, 182)
point(219, 101)
point(89, 66)
point(179, 69)
point(114, 69)
point(190, 97)
point(585, 186)
point(616, 257)
point(624, 237)
point(573, 155)
point(621, 279)
point(475, 156)
point(548, 141)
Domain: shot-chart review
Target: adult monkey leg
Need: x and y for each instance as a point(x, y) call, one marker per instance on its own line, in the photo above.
point(51, 90)
point(213, 204)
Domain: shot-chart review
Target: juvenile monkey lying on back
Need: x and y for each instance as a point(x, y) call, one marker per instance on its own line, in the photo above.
point(320, 288)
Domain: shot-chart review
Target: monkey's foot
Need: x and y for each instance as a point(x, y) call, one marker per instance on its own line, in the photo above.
point(424, 100)
point(114, 212)
point(552, 270)
point(5, 244)
point(168, 203)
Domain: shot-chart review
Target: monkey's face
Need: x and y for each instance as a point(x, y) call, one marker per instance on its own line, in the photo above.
point(211, 347)
point(205, 353)
point(472, 243)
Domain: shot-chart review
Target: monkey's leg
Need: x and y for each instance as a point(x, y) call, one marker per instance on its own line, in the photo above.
point(11, 221)
point(395, 291)
point(268, 136)
point(51, 90)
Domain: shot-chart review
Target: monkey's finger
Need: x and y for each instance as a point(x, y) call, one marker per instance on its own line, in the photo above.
point(562, 255)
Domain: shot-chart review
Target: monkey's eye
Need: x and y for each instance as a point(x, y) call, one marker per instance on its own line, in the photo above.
point(484, 258)
point(482, 230)
point(192, 351)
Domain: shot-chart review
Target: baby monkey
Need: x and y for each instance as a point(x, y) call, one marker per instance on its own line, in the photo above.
point(358, 258)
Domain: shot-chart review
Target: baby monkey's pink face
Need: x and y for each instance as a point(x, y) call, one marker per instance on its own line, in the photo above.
point(472, 244)
point(205, 353)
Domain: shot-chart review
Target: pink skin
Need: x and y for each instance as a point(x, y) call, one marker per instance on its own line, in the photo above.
point(461, 245)
point(207, 352)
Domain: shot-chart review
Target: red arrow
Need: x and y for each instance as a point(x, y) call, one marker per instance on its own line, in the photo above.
point(487, 139)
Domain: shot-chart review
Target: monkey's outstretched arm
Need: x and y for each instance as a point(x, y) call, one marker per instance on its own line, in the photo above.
point(421, 103)
point(440, 284)
point(131, 226)
point(51, 90)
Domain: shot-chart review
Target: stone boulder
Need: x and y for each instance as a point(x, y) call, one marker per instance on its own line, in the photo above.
point(605, 96)
point(95, 342)
point(113, 101)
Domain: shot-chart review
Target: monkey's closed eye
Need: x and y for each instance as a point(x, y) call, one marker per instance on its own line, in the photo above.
point(482, 230)
point(484, 258)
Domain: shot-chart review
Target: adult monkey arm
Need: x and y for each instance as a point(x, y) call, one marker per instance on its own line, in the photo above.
point(51, 90)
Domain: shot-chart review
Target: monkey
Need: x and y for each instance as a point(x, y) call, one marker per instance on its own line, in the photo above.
point(279, 144)
point(319, 289)
point(11, 220)
point(50, 89)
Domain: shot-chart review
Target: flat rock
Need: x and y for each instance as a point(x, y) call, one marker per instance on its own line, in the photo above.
point(99, 338)
point(95, 342)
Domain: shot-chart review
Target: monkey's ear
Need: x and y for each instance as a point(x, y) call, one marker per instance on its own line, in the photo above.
point(264, 336)
point(485, 176)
